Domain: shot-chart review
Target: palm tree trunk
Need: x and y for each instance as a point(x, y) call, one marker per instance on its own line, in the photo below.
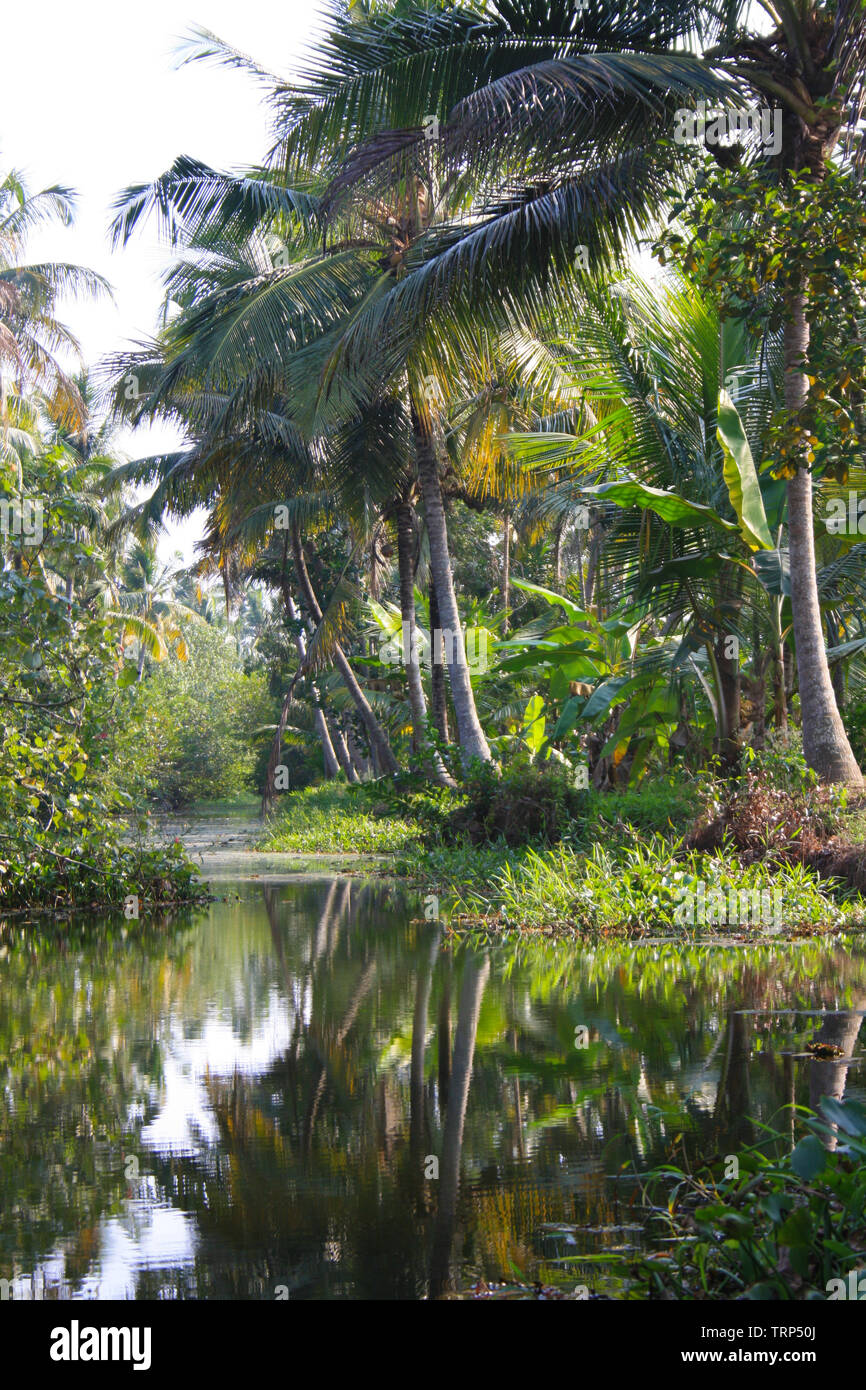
point(361, 761)
point(557, 554)
point(417, 701)
point(506, 571)
point(473, 744)
point(375, 733)
point(780, 703)
point(438, 693)
point(596, 540)
point(341, 748)
point(729, 692)
point(471, 993)
point(329, 756)
point(825, 743)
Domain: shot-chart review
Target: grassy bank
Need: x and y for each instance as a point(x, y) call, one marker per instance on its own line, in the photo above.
point(528, 853)
point(335, 819)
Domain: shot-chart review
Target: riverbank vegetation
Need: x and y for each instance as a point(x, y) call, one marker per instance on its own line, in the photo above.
point(528, 435)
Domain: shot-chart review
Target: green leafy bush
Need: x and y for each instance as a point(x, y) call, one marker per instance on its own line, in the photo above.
point(527, 804)
point(792, 1227)
point(61, 698)
point(196, 720)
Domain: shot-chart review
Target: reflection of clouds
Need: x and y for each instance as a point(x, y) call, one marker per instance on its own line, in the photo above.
point(146, 1237)
point(151, 1236)
point(185, 1120)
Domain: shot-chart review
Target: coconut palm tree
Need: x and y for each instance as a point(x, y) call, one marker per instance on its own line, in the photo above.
point(812, 65)
point(563, 120)
point(31, 335)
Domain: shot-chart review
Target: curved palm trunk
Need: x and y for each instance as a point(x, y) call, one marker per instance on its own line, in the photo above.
point(276, 747)
point(341, 748)
point(825, 743)
point(375, 733)
point(332, 767)
point(473, 744)
point(417, 701)
point(438, 693)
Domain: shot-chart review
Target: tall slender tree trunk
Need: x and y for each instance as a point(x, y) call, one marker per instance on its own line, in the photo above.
point(375, 733)
point(341, 748)
point(837, 673)
point(506, 569)
point(469, 1008)
point(557, 553)
point(361, 761)
point(825, 743)
point(780, 703)
point(729, 692)
point(417, 700)
point(332, 767)
point(596, 540)
point(438, 692)
point(276, 747)
point(473, 744)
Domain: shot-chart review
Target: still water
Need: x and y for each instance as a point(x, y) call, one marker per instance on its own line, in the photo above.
point(304, 1091)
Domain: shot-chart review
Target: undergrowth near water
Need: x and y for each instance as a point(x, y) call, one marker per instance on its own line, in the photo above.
point(335, 819)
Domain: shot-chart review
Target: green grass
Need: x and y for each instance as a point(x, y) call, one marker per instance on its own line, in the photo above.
point(632, 889)
point(622, 870)
point(332, 819)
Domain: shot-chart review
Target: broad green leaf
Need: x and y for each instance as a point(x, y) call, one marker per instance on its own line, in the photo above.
point(569, 716)
point(576, 614)
point(601, 699)
point(849, 1115)
point(773, 568)
point(533, 724)
point(672, 508)
point(741, 477)
point(807, 1160)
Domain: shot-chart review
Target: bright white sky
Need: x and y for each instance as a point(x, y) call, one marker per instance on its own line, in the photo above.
point(91, 97)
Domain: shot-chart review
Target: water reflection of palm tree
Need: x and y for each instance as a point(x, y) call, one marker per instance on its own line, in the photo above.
point(418, 1128)
point(475, 976)
point(828, 1078)
point(326, 1050)
point(733, 1100)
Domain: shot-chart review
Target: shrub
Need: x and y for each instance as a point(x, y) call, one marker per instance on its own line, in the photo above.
point(786, 1228)
point(527, 804)
point(193, 739)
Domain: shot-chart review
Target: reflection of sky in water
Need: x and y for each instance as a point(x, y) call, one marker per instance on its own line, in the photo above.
point(150, 1236)
point(544, 1123)
point(184, 1121)
point(144, 1237)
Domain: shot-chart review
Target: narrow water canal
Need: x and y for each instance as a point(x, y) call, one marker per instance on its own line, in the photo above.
point(303, 1091)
